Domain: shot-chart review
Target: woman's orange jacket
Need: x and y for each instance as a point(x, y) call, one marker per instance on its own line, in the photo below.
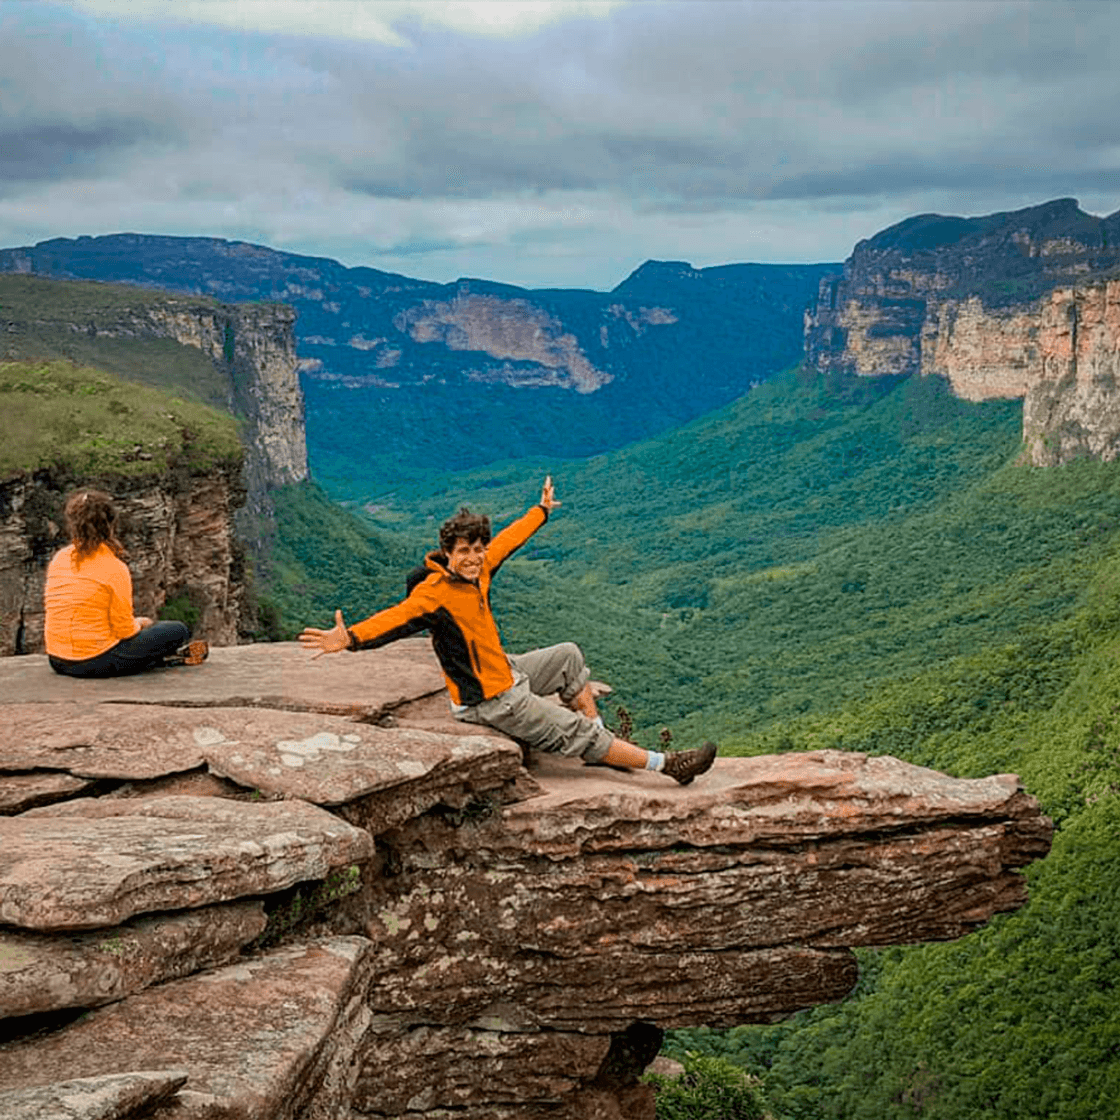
point(457, 612)
point(88, 605)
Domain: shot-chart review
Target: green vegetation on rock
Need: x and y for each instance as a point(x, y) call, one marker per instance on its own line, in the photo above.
point(93, 324)
point(93, 425)
point(710, 1087)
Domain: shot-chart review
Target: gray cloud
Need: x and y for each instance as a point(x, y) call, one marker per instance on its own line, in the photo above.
point(596, 139)
point(61, 150)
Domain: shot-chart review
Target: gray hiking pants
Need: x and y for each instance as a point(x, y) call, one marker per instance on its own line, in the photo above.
point(522, 713)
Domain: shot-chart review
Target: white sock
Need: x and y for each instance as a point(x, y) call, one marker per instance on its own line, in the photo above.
point(598, 721)
point(656, 760)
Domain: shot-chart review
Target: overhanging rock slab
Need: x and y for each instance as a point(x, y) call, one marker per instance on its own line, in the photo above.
point(787, 799)
point(607, 987)
point(760, 875)
point(89, 864)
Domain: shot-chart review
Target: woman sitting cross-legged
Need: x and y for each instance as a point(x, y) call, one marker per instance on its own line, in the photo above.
point(90, 629)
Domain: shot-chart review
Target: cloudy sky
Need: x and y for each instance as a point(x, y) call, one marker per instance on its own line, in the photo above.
point(548, 143)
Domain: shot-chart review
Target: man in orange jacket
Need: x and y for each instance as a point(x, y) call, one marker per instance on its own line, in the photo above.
point(451, 599)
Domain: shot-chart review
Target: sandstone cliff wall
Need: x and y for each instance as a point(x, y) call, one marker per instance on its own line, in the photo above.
point(1004, 307)
point(179, 531)
point(508, 329)
point(253, 346)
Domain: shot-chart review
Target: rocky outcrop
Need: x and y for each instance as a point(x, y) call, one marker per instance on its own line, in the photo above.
point(1013, 305)
point(447, 932)
point(180, 533)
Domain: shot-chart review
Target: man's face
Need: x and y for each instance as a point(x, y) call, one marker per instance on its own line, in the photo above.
point(466, 557)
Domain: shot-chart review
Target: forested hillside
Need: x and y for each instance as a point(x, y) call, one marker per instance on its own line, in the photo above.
point(865, 565)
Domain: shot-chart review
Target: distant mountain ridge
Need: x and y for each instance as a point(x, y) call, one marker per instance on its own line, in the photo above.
point(406, 377)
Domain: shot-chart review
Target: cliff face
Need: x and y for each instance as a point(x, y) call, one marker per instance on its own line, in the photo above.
point(531, 344)
point(1012, 305)
point(254, 344)
point(178, 529)
point(469, 937)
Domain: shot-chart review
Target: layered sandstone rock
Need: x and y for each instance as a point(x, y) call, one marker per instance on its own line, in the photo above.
point(447, 933)
point(1023, 305)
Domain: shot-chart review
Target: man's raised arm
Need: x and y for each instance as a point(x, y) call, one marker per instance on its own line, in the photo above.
point(514, 535)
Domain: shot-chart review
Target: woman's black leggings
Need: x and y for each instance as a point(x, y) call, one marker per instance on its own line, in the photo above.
point(145, 650)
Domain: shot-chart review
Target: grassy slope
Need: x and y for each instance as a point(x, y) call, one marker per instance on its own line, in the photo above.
point(89, 424)
point(42, 316)
point(867, 566)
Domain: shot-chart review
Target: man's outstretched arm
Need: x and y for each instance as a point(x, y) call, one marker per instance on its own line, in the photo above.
point(408, 617)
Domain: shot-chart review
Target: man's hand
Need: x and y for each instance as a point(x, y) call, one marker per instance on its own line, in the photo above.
point(326, 641)
point(142, 621)
point(548, 499)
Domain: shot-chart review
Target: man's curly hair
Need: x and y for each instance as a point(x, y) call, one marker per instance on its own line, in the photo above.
point(470, 526)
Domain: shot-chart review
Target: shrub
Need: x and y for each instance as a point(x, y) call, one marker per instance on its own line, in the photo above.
point(709, 1089)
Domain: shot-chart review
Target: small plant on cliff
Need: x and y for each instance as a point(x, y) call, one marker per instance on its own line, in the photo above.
point(295, 909)
point(709, 1089)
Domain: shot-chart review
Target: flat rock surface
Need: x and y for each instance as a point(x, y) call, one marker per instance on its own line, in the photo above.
point(256, 1039)
point(49, 972)
point(785, 798)
point(113, 1097)
point(325, 759)
point(89, 864)
point(362, 685)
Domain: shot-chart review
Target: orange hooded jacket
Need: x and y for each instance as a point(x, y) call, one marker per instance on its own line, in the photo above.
point(457, 612)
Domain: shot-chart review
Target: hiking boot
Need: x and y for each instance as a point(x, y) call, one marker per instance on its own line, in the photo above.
point(193, 653)
point(683, 766)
